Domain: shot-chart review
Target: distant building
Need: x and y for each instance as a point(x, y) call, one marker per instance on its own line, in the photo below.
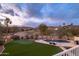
point(21, 34)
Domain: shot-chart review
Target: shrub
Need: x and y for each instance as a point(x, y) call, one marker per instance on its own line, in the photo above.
point(1, 42)
point(15, 37)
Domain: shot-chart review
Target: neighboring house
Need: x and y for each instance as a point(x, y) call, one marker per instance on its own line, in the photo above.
point(21, 34)
point(7, 38)
point(76, 38)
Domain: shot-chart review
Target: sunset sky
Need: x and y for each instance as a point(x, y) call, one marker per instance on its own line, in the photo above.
point(52, 14)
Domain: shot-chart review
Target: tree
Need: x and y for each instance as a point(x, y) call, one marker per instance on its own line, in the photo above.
point(64, 24)
point(66, 31)
point(43, 29)
point(71, 24)
point(1, 30)
point(6, 22)
point(1, 42)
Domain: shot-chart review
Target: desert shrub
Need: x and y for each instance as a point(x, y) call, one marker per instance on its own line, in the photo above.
point(15, 37)
point(1, 42)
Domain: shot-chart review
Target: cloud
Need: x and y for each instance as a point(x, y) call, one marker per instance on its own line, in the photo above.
point(15, 8)
point(29, 14)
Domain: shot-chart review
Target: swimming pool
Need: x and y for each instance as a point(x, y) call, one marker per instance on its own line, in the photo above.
point(60, 41)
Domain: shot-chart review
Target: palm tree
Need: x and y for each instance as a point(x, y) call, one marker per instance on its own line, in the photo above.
point(64, 24)
point(0, 30)
point(7, 22)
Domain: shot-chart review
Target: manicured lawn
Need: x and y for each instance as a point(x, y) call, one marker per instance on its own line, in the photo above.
point(29, 48)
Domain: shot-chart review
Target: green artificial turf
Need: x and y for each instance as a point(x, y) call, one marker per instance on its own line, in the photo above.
point(17, 48)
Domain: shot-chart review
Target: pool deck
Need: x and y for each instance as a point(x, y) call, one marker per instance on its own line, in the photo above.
point(71, 44)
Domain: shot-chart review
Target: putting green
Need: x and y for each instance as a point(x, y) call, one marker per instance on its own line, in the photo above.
point(29, 48)
point(23, 42)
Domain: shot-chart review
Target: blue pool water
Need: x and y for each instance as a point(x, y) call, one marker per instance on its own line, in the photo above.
point(61, 41)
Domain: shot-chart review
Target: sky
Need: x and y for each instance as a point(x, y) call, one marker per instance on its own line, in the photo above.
point(33, 14)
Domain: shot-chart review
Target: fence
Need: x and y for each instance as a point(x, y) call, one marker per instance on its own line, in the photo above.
point(70, 52)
